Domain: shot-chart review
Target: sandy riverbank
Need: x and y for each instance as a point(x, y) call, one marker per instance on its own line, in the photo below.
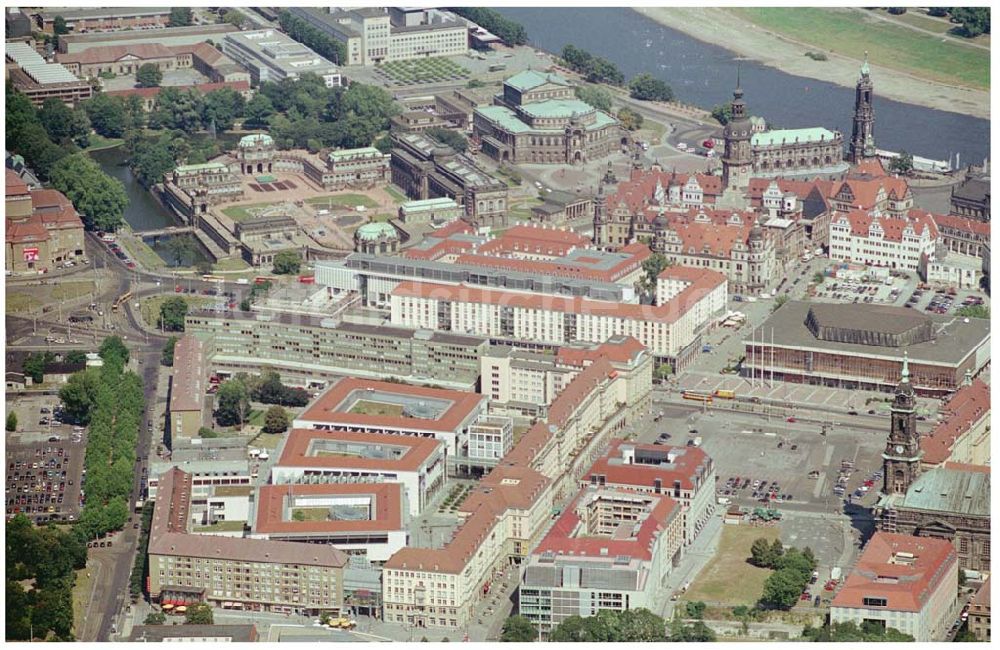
point(723, 28)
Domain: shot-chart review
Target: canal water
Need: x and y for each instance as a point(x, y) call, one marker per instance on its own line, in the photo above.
point(143, 212)
point(705, 75)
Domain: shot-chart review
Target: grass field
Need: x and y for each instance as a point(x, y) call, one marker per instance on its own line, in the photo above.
point(312, 514)
point(98, 142)
point(850, 32)
point(242, 212)
point(231, 264)
point(140, 251)
point(81, 597)
point(350, 201)
point(729, 578)
point(266, 440)
point(367, 407)
point(150, 307)
point(918, 18)
point(420, 71)
point(18, 302)
point(65, 290)
point(256, 418)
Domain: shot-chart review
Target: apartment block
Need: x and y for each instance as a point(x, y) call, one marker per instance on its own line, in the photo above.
point(188, 385)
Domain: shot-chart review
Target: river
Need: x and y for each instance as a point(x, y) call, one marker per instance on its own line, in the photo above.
point(705, 75)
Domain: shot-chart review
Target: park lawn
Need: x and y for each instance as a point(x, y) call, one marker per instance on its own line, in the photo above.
point(396, 195)
point(729, 578)
point(367, 407)
point(918, 18)
point(382, 217)
point(141, 252)
point(18, 302)
point(150, 307)
point(267, 440)
point(98, 142)
point(231, 264)
point(850, 32)
point(81, 596)
point(256, 418)
point(312, 514)
point(241, 212)
point(66, 290)
point(221, 527)
point(350, 201)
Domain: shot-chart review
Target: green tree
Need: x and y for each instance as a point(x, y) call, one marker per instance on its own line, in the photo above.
point(819, 278)
point(257, 110)
point(453, 139)
point(155, 618)
point(232, 403)
point(962, 578)
point(697, 632)
point(652, 267)
point(75, 357)
point(630, 120)
point(179, 248)
point(974, 311)
point(113, 350)
point(518, 629)
point(167, 356)
point(298, 515)
point(234, 17)
point(57, 119)
point(722, 113)
point(596, 96)
point(107, 115)
point(509, 31)
point(223, 107)
point(275, 420)
point(319, 41)
point(149, 75)
point(937, 12)
point(78, 394)
point(779, 301)
point(12, 421)
point(646, 87)
point(287, 262)
point(902, 164)
point(641, 626)
point(34, 366)
point(205, 432)
point(974, 20)
point(572, 630)
point(151, 161)
point(59, 26)
point(695, 609)
point(180, 17)
point(663, 371)
point(100, 199)
point(761, 553)
point(172, 313)
point(782, 589)
point(199, 614)
point(177, 108)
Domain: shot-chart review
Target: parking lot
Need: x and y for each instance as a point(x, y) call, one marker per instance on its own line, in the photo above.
point(43, 479)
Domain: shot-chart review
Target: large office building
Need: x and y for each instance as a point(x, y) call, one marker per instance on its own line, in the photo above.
point(397, 409)
point(427, 169)
point(189, 35)
point(271, 55)
point(234, 572)
point(537, 119)
point(906, 583)
point(351, 456)
point(667, 329)
point(863, 346)
point(314, 351)
point(39, 80)
point(685, 474)
point(612, 549)
point(874, 240)
point(366, 519)
point(126, 59)
point(188, 385)
point(377, 35)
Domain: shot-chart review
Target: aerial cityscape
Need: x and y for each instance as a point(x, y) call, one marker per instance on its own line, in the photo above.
point(512, 324)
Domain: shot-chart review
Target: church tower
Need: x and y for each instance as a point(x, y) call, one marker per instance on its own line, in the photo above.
point(901, 458)
point(737, 160)
point(863, 136)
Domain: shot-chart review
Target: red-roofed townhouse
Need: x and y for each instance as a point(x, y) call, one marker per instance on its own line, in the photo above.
point(879, 239)
point(963, 433)
point(42, 230)
point(903, 582)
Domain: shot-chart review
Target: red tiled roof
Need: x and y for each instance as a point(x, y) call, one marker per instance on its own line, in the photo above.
point(688, 464)
point(55, 210)
point(573, 268)
point(111, 53)
point(966, 407)
point(386, 516)
point(326, 408)
point(892, 227)
point(906, 586)
point(619, 350)
point(870, 167)
point(238, 86)
point(963, 224)
point(187, 390)
point(418, 450)
point(14, 185)
point(563, 538)
point(26, 232)
point(542, 241)
point(637, 192)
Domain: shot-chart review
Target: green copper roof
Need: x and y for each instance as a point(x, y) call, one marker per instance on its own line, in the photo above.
point(376, 230)
point(865, 71)
point(256, 138)
point(789, 136)
point(950, 490)
point(204, 167)
point(505, 118)
point(557, 108)
point(344, 154)
point(530, 79)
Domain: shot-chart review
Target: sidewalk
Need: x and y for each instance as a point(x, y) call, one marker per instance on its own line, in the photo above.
point(695, 558)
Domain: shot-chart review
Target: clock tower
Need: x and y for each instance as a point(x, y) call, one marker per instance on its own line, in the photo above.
point(901, 458)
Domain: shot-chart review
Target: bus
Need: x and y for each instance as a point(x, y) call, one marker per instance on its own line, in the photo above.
point(696, 396)
point(212, 278)
point(725, 394)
